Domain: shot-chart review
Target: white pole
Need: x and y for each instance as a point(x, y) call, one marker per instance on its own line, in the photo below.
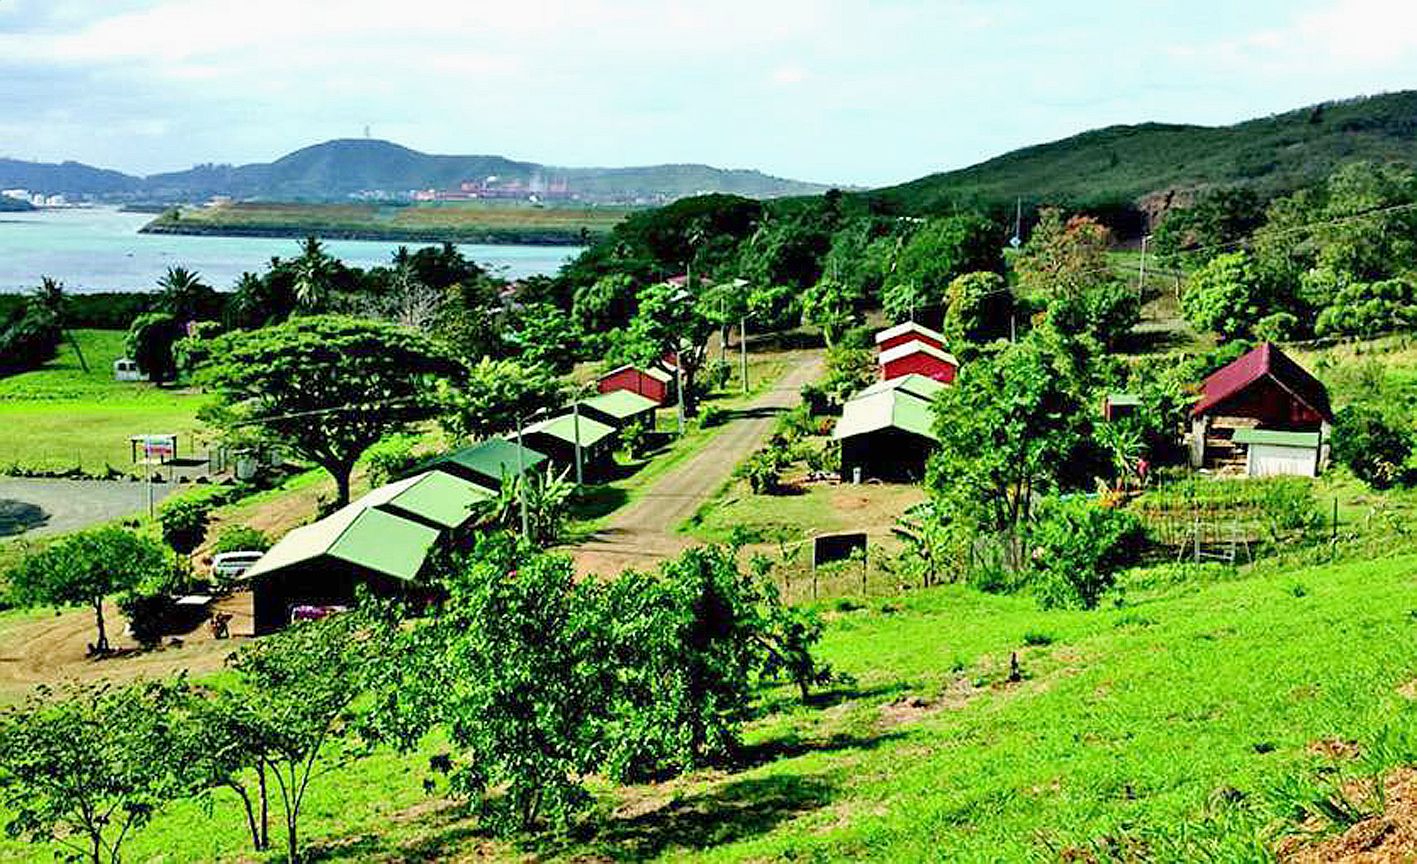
point(679, 388)
point(576, 430)
point(1141, 276)
point(521, 482)
point(743, 350)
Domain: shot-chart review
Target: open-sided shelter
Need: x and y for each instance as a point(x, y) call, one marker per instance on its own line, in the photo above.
point(619, 408)
point(437, 499)
point(652, 383)
point(556, 438)
point(910, 331)
point(888, 434)
point(916, 385)
point(323, 564)
point(919, 358)
point(486, 463)
point(1263, 390)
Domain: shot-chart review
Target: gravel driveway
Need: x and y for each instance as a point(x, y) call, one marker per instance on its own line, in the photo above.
point(34, 507)
point(644, 532)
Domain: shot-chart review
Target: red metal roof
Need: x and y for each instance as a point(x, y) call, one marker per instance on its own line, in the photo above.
point(1265, 361)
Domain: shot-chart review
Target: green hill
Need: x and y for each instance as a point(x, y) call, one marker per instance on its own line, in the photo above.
point(1136, 168)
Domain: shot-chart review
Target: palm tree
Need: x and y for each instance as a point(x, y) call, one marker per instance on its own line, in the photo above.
point(181, 290)
point(50, 297)
point(314, 274)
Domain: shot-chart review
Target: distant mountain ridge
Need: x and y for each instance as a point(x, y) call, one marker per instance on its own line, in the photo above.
point(338, 169)
point(1145, 168)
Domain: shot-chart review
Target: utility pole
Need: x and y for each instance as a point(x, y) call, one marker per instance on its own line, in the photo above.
point(576, 431)
point(679, 388)
point(743, 350)
point(1141, 273)
point(521, 481)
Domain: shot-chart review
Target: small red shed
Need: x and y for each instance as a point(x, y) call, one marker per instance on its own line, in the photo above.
point(653, 383)
point(918, 358)
point(902, 334)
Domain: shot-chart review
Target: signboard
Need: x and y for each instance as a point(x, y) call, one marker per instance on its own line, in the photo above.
point(154, 448)
point(827, 548)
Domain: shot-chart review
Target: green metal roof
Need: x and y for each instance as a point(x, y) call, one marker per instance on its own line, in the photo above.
point(494, 458)
point(915, 384)
point(886, 409)
point(621, 404)
point(1123, 399)
point(439, 497)
point(1308, 440)
point(564, 428)
point(357, 534)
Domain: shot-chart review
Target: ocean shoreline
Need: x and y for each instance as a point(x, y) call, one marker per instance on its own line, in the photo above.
point(509, 237)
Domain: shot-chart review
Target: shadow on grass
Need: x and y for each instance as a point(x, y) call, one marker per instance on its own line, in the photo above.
point(594, 502)
point(733, 811)
point(445, 834)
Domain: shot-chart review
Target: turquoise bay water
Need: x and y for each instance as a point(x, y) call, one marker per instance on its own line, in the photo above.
point(100, 249)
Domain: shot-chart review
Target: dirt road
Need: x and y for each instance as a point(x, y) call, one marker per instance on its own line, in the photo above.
point(643, 533)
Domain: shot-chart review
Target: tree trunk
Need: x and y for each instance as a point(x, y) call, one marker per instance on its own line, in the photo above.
point(101, 646)
point(250, 817)
point(264, 841)
point(341, 474)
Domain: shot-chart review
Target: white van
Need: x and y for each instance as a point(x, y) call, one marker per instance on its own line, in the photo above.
point(229, 566)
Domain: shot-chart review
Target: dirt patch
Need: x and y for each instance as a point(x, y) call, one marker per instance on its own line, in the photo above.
point(53, 649)
point(1334, 748)
point(1408, 690)
point(1390, 836)
point(913, 708)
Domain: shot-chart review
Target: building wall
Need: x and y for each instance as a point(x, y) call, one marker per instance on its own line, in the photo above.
point(1268, 460)
point(919, 364)
point(636, 382)
point(886, 454)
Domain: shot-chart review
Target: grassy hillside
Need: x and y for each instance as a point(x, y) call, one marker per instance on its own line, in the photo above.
point(1124, 164)
point(60, 417)
point(465, 222)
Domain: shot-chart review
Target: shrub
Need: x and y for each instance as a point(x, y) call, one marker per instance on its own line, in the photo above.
point(712, 415)
point(814, 396)
point(794, 424)
point(634, 437)
point(147, 616)
point(1289, 506)
point(1377, 449)
point(1077, 549)
point(241, 538)
point(390, 458)
point(1277, 327)
point(716, 374)
point(184, 522)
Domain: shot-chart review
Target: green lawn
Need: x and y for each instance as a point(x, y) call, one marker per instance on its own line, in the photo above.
point(1176, 724)
point(59, 416)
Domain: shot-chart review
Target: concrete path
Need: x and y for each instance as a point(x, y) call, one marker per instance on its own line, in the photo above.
point(643, 533)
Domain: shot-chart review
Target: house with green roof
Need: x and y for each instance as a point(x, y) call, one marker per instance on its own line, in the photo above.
point(557, 437)
point(919, 386)
point(324, 563)
point(619, 408)
point(887, 433)
point(487, 462)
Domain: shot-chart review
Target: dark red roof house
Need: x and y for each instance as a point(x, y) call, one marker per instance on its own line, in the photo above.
point(1263, 389)
point(918, 358)
point(653, 383)
point(901, 334)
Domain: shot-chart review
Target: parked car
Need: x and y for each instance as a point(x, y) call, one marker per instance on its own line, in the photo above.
point(229, 566)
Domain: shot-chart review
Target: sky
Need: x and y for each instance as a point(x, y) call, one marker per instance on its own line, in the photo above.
point(857, 92)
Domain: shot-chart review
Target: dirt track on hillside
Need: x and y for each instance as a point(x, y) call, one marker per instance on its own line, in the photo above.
point(643, 534)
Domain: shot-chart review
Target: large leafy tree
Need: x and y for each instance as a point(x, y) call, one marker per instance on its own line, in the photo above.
point(1063, 257)
point(1009, 430)
point(671, 319)
point(150, 344)
point(935, 254)
point(85, 568)
point(1225, 296)
point(832, 306)
point(87, 767)
point(978, 307)
point(490, 395)
point(326, 386)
